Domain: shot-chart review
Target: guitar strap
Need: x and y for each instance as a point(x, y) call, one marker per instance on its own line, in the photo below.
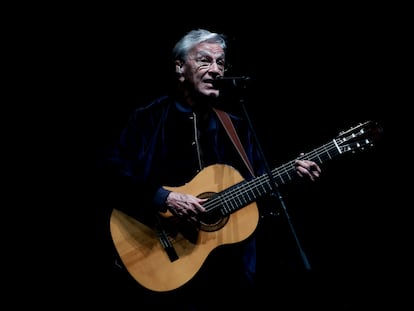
point(231, 131)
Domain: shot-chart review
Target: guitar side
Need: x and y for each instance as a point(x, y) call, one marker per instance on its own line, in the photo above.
point(145, 258)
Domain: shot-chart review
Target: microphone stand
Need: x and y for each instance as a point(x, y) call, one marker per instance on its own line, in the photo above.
point(274, 189)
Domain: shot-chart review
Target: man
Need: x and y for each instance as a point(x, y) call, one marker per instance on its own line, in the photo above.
point(168, 144)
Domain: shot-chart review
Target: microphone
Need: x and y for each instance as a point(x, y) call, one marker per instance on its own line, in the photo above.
point(231, 82)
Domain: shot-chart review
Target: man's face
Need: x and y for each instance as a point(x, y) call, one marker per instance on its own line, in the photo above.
point(204, 63)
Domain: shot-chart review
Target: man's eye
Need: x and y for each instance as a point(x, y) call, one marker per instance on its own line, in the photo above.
point(221, 62)
point(205, 61)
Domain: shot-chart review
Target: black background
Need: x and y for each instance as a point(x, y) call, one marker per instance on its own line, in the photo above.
point(315, 72)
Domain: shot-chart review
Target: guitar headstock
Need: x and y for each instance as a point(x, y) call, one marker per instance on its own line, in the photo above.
point(359, 138)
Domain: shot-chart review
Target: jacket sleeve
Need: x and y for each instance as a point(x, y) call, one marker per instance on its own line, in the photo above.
point(129, 166)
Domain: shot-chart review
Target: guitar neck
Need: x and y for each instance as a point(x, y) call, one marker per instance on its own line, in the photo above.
point(239, 195)
point(286, 172)
point(246, 192)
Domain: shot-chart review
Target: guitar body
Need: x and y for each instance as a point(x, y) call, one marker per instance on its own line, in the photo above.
point(146, 259)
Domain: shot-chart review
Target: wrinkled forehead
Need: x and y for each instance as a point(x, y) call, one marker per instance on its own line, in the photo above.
point(207, 49)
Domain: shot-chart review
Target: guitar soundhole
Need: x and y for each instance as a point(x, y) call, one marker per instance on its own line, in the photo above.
point(212, 221)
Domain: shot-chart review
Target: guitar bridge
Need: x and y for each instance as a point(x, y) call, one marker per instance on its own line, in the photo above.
point(165, 241)
point(168, 247)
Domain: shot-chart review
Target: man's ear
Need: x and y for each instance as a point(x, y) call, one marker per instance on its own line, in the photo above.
point(178, 66)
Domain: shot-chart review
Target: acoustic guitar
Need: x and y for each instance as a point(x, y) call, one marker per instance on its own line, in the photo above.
point(166, 256)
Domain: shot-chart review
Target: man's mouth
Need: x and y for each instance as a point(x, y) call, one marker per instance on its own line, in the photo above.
point(211, 82)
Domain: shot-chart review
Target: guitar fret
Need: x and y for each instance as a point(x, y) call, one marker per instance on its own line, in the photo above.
point(228, 207)
point(327, 152)
point(239, 200)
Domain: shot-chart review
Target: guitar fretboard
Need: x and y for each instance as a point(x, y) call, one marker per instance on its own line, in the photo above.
point(246, 192)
